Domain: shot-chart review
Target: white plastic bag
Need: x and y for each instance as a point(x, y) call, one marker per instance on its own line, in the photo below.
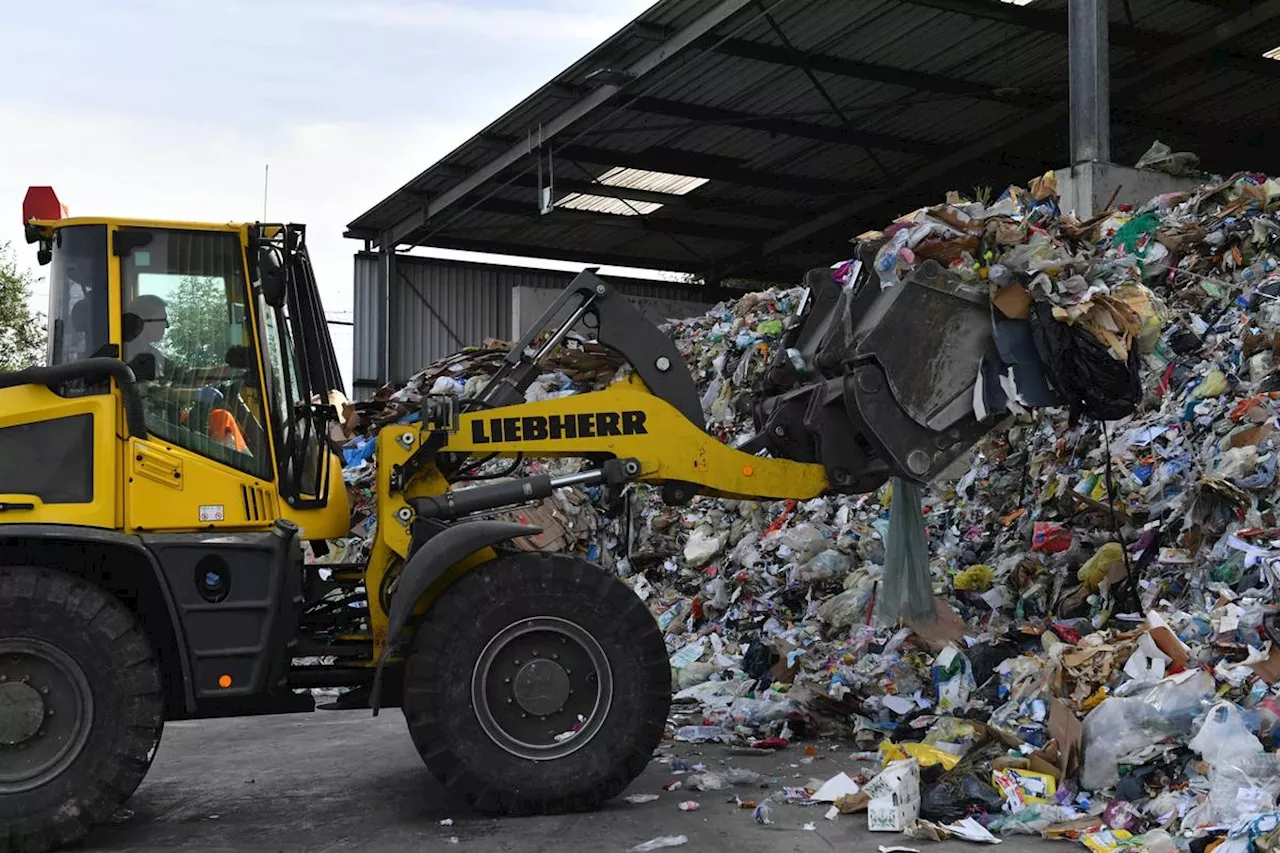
point(1121, 725)
point(1243, 780)
point(1223, 737)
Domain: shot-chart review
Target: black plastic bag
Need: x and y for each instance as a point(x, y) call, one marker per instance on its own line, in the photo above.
point(960, 792)
point(1083, 371)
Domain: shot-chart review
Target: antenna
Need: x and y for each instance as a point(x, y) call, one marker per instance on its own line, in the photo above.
point(266, 181)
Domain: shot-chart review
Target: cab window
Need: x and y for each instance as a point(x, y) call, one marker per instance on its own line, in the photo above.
point(187, 337)
point(78, 305)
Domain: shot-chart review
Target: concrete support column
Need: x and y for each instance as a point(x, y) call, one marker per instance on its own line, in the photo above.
point(1090, 72)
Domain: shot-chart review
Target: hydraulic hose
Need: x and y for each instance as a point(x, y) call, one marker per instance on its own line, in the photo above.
point(89, 369)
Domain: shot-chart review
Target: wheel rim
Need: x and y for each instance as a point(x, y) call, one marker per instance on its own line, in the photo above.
point(46, 712)
point(542, 688)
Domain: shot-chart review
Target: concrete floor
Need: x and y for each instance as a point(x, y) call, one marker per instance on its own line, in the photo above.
point(339, 780)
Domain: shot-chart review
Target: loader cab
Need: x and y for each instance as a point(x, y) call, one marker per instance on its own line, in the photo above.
point(222, 327)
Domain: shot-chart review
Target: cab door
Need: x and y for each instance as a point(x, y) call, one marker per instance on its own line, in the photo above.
point(187, 333)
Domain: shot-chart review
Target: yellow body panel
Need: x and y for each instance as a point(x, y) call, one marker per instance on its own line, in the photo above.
point(331, 521)
point(391, 538)
point(28, 404)
point(172, 489)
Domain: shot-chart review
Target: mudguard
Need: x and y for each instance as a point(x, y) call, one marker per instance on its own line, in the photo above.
point(20, 533)
point(430, 563)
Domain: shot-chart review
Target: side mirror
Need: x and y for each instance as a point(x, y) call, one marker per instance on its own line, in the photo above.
point(271, 276)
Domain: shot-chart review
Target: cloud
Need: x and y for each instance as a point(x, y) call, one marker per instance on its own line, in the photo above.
point(507, 22)
point(171, 110)
point(322, 174)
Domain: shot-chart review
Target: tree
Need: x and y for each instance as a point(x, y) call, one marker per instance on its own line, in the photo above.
point(22, 332)
point(197, 334)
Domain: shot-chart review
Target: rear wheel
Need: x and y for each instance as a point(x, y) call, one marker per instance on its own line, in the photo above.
point(537, 685)
point(80, 707)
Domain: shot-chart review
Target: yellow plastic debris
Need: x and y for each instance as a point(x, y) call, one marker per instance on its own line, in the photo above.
point(1214, 384)
point(1108, 558)
point(926, 754)
point(977, 578)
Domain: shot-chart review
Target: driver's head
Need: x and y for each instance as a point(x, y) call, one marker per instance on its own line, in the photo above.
point(146, 320)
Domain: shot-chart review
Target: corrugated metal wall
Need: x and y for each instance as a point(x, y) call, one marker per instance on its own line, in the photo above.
point(437, 307)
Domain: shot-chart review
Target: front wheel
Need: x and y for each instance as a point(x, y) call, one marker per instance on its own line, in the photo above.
point(537, 685)
point(80, 707)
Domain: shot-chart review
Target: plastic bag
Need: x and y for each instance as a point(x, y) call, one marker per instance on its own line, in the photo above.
point(1050, 538)
point(805, 540)
point(1107, 559)
point(757, 712)
point(1083, 370)
point(908, 584)
point(704, 543)
point(845, 610)
point(828, 565)
point(962, 789)
point(706, 782)
point(952, 680)
point(1223, 737)
point(1121, 725)
point(977, 578)
point(1032, 820)
point(662, 842)
point(1120, 814)
point(1243, 787)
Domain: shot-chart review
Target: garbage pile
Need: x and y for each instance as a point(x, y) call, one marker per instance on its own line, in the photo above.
point(1101, 660)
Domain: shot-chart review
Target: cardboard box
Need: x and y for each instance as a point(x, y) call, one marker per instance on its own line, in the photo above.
point(899, 777)
point(892, 813)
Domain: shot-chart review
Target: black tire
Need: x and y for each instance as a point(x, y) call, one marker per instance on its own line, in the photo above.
point(99, 760)
point(450, 648)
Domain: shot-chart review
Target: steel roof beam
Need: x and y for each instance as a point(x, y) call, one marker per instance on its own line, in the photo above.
point(1120, 34)
point(556, 253)
point(858, 70)
point(567, 215)
point(1038, 19)
point(781, 126)
point(597, 97)
point(1153, 68)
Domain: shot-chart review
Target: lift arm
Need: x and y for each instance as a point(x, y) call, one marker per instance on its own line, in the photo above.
point(626, 421)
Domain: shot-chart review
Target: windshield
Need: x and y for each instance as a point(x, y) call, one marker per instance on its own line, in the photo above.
point(286, 399)
point(187, 338)
point(298, 359)
point(78, 305)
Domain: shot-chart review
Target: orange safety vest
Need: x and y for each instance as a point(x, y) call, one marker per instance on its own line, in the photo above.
point(224, 429)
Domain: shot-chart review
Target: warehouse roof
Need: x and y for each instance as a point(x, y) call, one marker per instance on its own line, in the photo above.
point(755, 137)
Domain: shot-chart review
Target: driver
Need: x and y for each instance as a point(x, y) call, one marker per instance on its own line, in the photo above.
point(144, 325)
point(167, 385)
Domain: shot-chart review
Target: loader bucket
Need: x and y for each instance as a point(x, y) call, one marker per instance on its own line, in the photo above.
point(879, 381)
point(910, 387)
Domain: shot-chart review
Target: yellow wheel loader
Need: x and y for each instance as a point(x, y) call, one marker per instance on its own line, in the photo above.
point(159, 475)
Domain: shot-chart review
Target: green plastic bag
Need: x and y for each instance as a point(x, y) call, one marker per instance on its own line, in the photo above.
point(908, 585)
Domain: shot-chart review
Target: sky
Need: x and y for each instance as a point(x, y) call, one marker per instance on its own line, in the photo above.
point(171, 110)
